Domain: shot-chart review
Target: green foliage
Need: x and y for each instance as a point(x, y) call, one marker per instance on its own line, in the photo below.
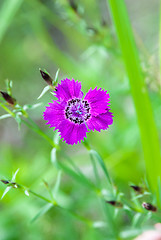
point(149, 135)
point(73, 192)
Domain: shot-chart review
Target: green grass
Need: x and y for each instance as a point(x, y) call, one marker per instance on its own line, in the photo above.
point(148, 129)
point(68, 185)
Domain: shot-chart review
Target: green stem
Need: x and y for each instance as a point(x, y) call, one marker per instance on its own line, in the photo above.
point(95, 171)
point(7, 110)
point(95, 154)
point(148, 131)
point(42, 197)
point(55, 204)
point(160, 48)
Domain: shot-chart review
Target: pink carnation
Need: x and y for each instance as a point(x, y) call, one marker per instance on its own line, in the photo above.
point(73, 116)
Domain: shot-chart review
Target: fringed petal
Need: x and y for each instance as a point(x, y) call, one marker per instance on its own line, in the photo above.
point(68, 89)
point(100, 122)
point(72, 133)
point(98, 100)
point(54, 114)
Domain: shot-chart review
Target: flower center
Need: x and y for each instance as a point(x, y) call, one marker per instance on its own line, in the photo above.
point(77, 111)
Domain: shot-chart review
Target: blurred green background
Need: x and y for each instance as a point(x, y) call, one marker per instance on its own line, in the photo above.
point(79, 38)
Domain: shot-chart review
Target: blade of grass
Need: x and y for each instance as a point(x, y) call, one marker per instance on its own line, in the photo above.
point(43, 210)
point(57, 184)
point(148, 131)
point(160, 47)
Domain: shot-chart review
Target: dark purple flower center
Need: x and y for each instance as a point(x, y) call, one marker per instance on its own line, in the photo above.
point(77, 111)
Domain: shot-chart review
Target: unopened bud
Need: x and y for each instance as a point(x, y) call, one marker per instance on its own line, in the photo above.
point(4, 181)
point(149, 207)
point(46, 77)
point(137, 188)
point(8, 98)
point(115, 203)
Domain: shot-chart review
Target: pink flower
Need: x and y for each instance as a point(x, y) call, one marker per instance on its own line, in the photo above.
point(73, 116)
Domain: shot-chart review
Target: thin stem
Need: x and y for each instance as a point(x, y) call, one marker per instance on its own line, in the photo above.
point(42, 197)
point(160, 47)
point(49, 190)
point(95, 171)
point(100, 161)
point(7, 110)
point(55, 204)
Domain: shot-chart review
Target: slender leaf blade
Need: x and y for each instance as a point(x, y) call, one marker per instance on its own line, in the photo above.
point(44, 210)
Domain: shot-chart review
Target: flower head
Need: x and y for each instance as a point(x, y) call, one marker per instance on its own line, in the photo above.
point(73, 116)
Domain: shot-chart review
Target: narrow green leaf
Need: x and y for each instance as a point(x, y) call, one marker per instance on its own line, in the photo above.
point(29, 106)
point(160, 45)
point(95, 170)
point(54, 158)
point(137, 219)
point(78, 177)
point(99, 224)
point(5, 116)
point(18, 120)
point(101, 162)
point(57, 184)
point(45, 209)
point(54, 150)
point(6, 191)
point(148, 131)
point(56, 77)
point(44, 91)
point(9, 85)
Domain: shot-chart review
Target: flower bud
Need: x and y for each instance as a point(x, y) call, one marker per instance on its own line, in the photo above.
point(115, 203)
point(46, 77)
point(137, 188)
point(8, 98)
point(149, 207)
point(4, 181)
